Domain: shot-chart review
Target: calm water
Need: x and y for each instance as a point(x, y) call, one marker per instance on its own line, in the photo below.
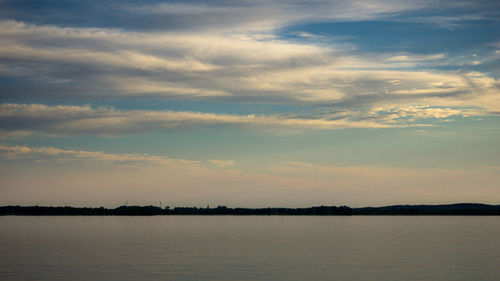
point(249, 248)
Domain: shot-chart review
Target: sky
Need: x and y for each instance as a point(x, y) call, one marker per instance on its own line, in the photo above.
point(249, 103)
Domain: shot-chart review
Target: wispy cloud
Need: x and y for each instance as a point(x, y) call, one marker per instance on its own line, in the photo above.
point(16, 152)
point(62, 120)
point(100, 63)
point(395, 114)
point(254, 15)
point(410, 57)
point(242, 14)
point(222, 163)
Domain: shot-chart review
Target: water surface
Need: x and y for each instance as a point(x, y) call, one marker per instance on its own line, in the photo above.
point(250, 248)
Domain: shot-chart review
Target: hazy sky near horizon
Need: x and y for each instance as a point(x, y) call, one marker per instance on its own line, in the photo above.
point(249, 103)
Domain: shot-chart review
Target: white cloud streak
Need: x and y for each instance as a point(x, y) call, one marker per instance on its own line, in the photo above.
point(16, 152)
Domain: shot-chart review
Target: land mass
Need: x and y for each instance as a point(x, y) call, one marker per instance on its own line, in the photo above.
point(449, 209)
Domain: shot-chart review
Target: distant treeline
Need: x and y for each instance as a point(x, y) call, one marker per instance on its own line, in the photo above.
point(153, 210)
point(452, 209)
point(468, 209)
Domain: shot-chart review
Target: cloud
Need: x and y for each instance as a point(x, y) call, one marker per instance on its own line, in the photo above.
point(21, 120)
point(236, 58)
point(246, 15)
point(410, 57)
point(62, 120)
point(16, 152)
point(222, 163)
point(218, 15)
point(454, 21)
point(396, 114)
point(274, 14)
point(181, 65)
point(102, 63)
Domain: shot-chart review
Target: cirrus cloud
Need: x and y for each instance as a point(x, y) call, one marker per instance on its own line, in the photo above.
point(16, 152)
point(63, 120)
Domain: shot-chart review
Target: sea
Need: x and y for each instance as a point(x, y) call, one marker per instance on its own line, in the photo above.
point(250, 248)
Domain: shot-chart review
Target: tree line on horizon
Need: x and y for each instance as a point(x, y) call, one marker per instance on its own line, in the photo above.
point(450, 209)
